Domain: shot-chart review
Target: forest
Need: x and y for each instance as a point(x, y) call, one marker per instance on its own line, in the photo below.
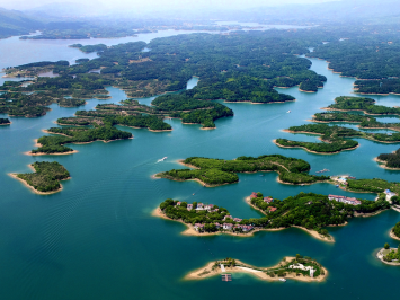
point(392, 160)
point(47, 176)
point(55, 143)
point(215, 172)
point(310, 211)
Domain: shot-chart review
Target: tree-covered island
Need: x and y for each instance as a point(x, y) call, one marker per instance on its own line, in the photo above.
point(310, 212)
point(215, 172)
point(390, 161)
point(4, 121)
point(297, 268)
point(389, 255)
point(54, 144)
point(46, 179)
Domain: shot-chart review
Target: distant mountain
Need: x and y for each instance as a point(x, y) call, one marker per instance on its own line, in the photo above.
point(67, 10)
point(14, 22)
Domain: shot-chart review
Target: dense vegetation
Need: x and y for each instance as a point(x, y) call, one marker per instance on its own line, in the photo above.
point(372, 185)
point(334, 137)
point(396, 229)
point(47, 176)
point(392, 160)
point(55, 143)
point(220, 171)
point(310, 211)
point(331, 147)
point(4, 121)
point(374, 58)
point(367, 105)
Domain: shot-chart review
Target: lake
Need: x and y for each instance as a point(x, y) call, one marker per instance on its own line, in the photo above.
point(97, 239)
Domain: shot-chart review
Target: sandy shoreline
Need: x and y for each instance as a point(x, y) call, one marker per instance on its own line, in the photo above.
point(207, 271)
point(316, 152)
point(383, 166)
point(391, 234)
point(23, 181)
point(190, 231)
point(313, 233)
point(208, 128)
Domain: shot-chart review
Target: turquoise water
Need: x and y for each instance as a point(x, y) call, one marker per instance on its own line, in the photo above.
point(97, 240)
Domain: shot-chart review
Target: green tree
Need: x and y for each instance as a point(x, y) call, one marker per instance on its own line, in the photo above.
point(386, 246)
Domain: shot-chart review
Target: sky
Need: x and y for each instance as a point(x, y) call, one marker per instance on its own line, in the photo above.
point(155, 4)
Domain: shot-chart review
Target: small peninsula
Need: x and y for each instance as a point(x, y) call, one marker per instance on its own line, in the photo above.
point(298, 268)
point(46, 179)
point(4, 121)
point(390, 161)
point(216, 172)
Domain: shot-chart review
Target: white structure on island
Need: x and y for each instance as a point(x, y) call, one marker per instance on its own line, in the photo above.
point(303, 268)
point(388, 195)
point(344, 199)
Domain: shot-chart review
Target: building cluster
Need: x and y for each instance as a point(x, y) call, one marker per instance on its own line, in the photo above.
point(345, 199)
point(303, 268)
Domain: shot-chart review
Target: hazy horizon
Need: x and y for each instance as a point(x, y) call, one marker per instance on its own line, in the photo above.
point(157, 4)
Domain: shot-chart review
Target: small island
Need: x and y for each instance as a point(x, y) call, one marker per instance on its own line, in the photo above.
point(54, 144)
point(46, 179)
point(298, 268)
point(4, 121)
point(388, 255)
point(390, 161)
point(215, 172)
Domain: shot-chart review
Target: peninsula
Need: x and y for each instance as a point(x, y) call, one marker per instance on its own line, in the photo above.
point(390, 161)
point(298, 268)
point(46, 179)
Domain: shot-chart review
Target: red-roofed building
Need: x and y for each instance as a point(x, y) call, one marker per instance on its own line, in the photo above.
point(198, 226)
point(227, 217)
point(227, 226)
point(268, 199)
point(271, 208)
point(237, 220)
point(253, 195)
point(189, 206)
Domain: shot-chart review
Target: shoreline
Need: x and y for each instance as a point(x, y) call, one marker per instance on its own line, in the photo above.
point(207, 271)
point(208, 128)
point(384, 165)
point(313, 233)
point(24, 182)
point(379, 255)
point(391, 234)
point(316, 152)
point(190, 231)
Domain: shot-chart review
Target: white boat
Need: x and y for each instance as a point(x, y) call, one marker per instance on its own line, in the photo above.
point(282, 279)
point(288, 112)
point(164, 158)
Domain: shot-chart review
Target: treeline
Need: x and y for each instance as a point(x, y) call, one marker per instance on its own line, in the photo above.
point(392, 160)
point(396, 229)
point(373, 185)
point(55, 143)
point(4, 121)
point(373, 57)
point(47, 176)
point(334, 146)
point(219, 171)
point(312, 211)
